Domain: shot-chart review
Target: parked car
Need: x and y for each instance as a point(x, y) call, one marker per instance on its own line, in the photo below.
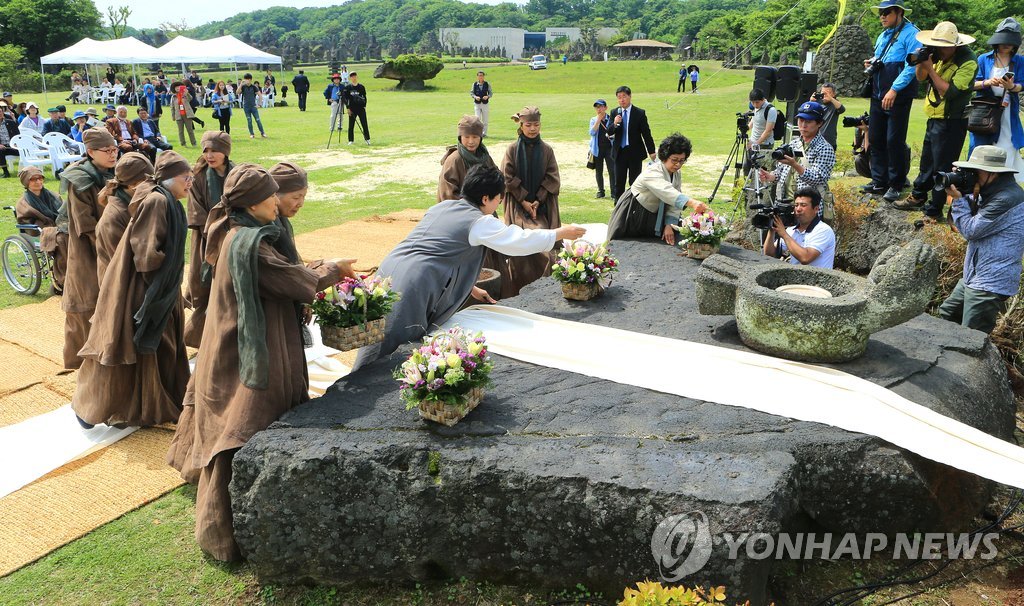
point(539, 62)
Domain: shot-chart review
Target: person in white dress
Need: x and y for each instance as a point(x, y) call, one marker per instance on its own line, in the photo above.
point(1000, 74)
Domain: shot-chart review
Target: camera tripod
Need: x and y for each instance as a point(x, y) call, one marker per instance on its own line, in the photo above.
point(337, 124)
point(735, 156)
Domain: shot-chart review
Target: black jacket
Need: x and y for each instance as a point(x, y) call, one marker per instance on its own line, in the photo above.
point(300, 83)
point(12, 127)
point(639, 131)
point(137, 127)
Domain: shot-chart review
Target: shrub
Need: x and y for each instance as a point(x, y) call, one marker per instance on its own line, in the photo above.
point(417, 67)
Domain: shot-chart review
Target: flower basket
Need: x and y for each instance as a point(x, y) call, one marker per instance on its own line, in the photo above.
point(450, 414)
point(581, 267)
point(445, 377)
point(353, 337)
point(581, 292)
point(351, 313)
point(701, 250)
point(701, 234)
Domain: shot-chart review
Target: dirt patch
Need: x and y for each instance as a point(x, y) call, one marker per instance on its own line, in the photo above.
point(368, 240)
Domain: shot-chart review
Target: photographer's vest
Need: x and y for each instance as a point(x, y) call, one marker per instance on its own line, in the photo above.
point(959, 73)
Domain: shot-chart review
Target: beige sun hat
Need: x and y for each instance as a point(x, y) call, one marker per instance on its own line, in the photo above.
point(944, 34)
point(989, 158)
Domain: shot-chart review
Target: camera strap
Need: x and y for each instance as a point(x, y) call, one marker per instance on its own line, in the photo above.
point(892, 41)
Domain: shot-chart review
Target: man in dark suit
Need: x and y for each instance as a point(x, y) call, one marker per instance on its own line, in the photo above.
point(301, 85)
point(631, 140)
point(149, 130)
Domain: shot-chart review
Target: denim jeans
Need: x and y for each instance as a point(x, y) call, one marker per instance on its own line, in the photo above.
point(250, 113)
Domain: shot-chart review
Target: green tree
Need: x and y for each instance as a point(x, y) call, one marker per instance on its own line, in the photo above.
point(10, 57)
point(117, 19)
point(45, 26)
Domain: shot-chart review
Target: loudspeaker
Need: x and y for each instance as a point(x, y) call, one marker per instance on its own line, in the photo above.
point(808, 84)
point(787, 85)
point(764, 79)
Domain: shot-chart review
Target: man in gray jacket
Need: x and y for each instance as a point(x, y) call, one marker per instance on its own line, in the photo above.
point(991, 219)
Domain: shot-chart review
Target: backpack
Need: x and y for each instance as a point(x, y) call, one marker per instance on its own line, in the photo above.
point(779, 133)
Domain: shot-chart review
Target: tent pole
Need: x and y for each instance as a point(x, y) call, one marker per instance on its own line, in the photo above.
point(135, 85)
point(42, 74)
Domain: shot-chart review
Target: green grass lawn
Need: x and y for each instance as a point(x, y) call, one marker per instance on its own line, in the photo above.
point(149, 555)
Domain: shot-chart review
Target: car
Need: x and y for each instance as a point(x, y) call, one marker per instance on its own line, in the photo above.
point(539, 62)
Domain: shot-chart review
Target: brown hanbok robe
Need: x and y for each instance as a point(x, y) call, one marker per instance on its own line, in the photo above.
point(81, 287)
point(524, 270)
point(196, 293)
point(118, 384)
point(51, 240)
point(227, 412)
point(109, 230)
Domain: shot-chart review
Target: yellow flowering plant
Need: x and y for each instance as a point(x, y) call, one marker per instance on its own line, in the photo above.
point(581, 262)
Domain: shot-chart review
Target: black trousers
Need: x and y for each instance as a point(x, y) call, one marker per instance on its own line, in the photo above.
point(7, 151)
point(361, 113)
point(626, 165)
point(302, 100)
point(600, 162)
point(887, 132)
point(225, 122)
point(681, 85)
point(943, 142)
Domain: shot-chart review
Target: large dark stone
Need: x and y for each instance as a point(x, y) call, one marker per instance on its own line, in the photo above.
point(557, 478)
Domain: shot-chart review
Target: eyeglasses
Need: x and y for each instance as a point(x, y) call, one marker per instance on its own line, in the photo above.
point(680, 162)
point(108, 150)
point(885, 12)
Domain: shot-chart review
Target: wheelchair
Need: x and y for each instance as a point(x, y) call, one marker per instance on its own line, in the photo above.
point(24, 264)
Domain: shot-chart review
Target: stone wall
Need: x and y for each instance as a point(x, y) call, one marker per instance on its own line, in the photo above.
point(851, 46)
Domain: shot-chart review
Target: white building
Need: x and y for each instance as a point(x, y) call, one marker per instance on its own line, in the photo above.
point(509, 38)
point(604, 35)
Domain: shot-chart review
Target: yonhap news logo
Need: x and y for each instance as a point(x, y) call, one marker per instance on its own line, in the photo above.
point(681, 544)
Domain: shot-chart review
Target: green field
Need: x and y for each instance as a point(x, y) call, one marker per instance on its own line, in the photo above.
point(149, 555)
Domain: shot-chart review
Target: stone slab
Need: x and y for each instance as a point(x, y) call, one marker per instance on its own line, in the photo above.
point(557, 478)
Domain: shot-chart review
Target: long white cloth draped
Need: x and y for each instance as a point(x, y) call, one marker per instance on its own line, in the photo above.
point(827, 396)
point(35, 447)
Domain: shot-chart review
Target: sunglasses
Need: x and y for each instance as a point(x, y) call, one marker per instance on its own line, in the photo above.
point(885, 12)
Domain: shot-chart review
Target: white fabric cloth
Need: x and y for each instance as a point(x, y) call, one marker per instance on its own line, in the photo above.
point(35, 447)
point(826, 395)
point(510, 240)
point(821, 239)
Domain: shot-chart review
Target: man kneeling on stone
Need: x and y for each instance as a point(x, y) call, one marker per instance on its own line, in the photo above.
point(991, 219)
point(811, 241)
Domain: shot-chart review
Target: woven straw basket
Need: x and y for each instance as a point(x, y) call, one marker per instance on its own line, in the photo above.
point(581, 292)
point(449, 415)
point(700, 250)
point(353, 337)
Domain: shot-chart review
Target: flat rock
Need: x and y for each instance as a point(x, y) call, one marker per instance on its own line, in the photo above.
point(557, 478)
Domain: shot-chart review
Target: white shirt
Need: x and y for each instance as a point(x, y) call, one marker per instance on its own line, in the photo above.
point(510, 240)
point(625, 124)
point(821, 238)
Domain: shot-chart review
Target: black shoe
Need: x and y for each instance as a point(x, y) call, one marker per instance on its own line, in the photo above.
point(7, 173)
point(891, 195)
point(872, 188)
point(600, 194)
point(202, 124)
point(83, 423)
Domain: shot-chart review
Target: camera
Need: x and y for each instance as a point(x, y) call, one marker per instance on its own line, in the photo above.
point(786, 150)
point(874, 66)
point(818, 97)
point(741, 121)
point(766, 213)
point(854, 121)
point(963, 180)
point(920, 55)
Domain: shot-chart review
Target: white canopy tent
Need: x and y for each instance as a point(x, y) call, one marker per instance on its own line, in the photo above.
point(181, 49)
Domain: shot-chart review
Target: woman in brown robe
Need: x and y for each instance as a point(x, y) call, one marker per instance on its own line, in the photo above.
point(531, 197)
point(82, 182)
point(210, 171)
point(469, 151)
point(135, 365)
point(238, 389)
point(131, 170)
point(40, 207)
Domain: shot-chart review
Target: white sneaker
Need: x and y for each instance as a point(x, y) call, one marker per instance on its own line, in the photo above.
point(350, 143)
point(367, 141)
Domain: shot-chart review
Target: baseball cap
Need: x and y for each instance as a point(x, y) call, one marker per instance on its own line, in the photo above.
point(7, 94)
point(600, 102)
point(62, 108)
point(811, 110)
point(53, 110)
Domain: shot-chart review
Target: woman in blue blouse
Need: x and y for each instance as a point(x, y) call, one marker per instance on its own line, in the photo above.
point(992, 81)
point(221, 101)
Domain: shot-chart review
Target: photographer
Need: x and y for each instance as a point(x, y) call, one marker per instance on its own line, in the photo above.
point(949, 67)
point(333, 95)
point(892, 92)
point(354, 96)
point(807, 160)
point(991, 219)
point(833, 109)
point(811, 241)
point(762, 122)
